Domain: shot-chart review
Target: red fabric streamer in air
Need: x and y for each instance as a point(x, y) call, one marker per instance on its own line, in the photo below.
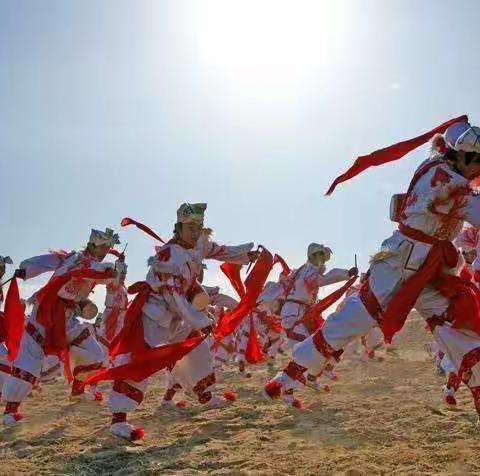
point(253, 352)
point(232, 272)
point(147, 362)
point(391, 153)
point(129, 221)
point(52, 309)
point(131, 338)
point(116, 253)
point(254, 285)
point(285, 268)
point(313, 317)
point(14, 320)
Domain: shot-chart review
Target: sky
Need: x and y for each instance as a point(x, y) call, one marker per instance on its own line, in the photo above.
point(120, 108)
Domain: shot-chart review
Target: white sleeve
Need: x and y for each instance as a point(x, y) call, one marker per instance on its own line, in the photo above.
point(231, 254)
point(40, 264)
point(335, 275)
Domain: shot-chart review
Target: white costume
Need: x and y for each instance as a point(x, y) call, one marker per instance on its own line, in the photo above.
point(220, 303)
point(302, 291)
point(86, 355)
point(110, 323)
point(168, 316)
point(438, 202)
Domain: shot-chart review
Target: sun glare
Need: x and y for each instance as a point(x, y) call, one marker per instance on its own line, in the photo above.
point(264, 43)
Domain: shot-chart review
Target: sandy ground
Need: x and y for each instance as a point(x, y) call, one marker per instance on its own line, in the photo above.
point(380, 418)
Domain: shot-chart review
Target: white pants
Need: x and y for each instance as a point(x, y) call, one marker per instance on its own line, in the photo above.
point(354, 321)
point(193, 372)
point(85, 358)
point(291, 314)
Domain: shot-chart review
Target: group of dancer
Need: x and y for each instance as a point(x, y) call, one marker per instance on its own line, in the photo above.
point(188, 332)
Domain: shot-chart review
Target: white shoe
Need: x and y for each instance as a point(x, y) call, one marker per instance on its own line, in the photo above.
point(11, 419)
point(127, 431)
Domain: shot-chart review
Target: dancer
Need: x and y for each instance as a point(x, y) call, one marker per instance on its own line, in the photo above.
point(417, 266)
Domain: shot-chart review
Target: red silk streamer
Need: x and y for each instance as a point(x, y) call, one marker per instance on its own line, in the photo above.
point(464, 299)
point(14, 320)
point(285, 268)
point(129, 221)
point(51, 312)
point(442, 253)
point(391, 153)
point(131, 338)
point(232, 272)
point(117, 253)
point(147, 362)
point(254, 285)
point(253, 352)
point(315, 312)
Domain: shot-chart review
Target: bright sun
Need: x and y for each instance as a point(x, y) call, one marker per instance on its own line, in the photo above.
point(264, 43)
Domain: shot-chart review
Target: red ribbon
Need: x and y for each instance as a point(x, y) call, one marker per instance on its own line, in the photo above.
point(129, 221)
point(232, 272)
point(391, 153)
point(253, 352)
point(147, 362)
point(14, 320)
point(254, 285)
point(285, 268)
point(312, 319)
point(131, 338)
point(442, 253)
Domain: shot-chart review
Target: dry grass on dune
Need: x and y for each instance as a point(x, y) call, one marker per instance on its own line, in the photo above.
point(381, 418)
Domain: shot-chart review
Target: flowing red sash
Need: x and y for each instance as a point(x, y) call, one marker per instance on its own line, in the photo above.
point(51, 308)
point(464, 296)
point(14, 320)
point(254, 285)
point(312, 319)
point(232, 272)
point(129, 221)
point(147, 362)
point(131, 338)
point(285, 268)
point(253, 352)
point(391, 153)
point(442, 253)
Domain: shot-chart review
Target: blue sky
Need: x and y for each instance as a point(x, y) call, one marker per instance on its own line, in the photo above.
point(118, 108)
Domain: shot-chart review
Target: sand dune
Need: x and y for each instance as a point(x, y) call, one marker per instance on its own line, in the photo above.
point(380, 418)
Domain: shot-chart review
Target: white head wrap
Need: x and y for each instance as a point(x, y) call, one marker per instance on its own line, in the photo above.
point(463, 136)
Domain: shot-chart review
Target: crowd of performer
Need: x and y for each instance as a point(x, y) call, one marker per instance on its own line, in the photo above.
point(174, 326)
